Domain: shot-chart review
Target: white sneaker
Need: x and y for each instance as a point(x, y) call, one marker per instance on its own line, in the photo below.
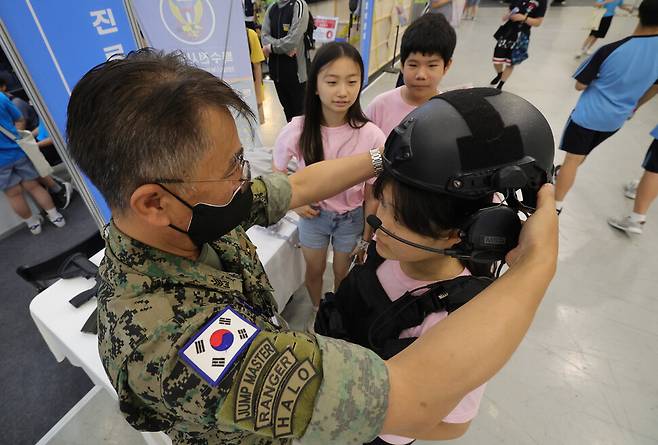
point(64, 196)
point(626, 225)
point(57, 220)
point(35, 228)
point(630, 188)
point(579, 54)
point(589, 52)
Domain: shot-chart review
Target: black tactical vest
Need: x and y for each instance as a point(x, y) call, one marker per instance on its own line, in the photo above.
point(361, 312)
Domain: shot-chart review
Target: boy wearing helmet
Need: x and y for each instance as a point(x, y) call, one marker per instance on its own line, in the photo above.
point(438, 234)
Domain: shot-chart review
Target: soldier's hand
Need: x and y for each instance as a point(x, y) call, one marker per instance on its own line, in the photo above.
point(307, 212)
point(538, 242)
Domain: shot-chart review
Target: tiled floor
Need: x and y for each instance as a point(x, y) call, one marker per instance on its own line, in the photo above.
point(586, 373)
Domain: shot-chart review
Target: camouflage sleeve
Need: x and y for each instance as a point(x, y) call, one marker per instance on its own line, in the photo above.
point(269, 392)
point(272, 195)
point(353, 397)
point(286, 385)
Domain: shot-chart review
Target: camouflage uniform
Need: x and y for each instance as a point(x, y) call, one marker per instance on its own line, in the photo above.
point(150, 303)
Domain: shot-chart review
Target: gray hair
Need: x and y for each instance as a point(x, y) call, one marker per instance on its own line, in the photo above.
point(133, 120)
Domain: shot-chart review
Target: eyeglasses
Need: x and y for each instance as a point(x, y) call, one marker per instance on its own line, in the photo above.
point(240, 163)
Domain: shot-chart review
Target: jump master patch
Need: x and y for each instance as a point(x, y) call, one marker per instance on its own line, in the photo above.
point(274, 391)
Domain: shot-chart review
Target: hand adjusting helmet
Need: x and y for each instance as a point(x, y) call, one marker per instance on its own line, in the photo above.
point(469, 144)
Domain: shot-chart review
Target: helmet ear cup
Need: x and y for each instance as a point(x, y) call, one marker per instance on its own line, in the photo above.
point(489, 234)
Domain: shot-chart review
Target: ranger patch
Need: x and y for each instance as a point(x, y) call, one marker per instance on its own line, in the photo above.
point(271, 388)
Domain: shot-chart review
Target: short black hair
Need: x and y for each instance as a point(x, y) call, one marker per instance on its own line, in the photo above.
point(133, 120)
point(429, 34)
point(649, 13)
point(424, 212)
point(431, 214)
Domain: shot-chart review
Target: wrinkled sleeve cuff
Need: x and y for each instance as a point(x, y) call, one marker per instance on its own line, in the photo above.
point(279, 194)
point(352, 400)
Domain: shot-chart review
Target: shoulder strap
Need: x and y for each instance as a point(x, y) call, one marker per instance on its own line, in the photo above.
point(8, 133)
point(412, 308)
point(461, 290)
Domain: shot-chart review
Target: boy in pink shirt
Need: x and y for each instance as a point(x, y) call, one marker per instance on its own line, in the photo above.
point(396, 283)
point(426, 55)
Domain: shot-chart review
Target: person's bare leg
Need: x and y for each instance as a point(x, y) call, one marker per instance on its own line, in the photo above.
point(40, 194)
point(17, 201)
point(589, 42)
point(567, 176)
point(647, 191)
point(48, 182)
point(316, 262)
point(507, 73)
point(341, 267)
point(499, 67)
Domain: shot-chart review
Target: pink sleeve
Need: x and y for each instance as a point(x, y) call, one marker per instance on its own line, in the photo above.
point(467, 408)
point(286, 146)
point(371, 111)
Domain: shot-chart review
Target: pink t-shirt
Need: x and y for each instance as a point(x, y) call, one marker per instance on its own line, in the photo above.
point(388, 109)
point(337, 142)
point(395, 282)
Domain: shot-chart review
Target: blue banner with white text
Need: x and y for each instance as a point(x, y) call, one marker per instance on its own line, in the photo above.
point(59, 41)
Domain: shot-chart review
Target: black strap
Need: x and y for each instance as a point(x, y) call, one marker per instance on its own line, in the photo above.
point(77, 265)
point(412, 308)
point(85, 296)
point(91, 325)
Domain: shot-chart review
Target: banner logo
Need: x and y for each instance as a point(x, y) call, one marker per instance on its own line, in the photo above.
point(189, 21)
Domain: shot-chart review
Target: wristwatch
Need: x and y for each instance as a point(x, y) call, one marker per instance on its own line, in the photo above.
point(377, 161)
point(362, 245)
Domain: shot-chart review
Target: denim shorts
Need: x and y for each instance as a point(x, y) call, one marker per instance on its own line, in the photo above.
point(342, 229)
point(17, 172)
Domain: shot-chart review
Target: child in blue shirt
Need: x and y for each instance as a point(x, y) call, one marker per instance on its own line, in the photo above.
point(18, 175)
point(600, 33)
point(613, 81)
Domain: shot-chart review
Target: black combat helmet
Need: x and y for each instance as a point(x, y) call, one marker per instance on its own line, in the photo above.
point(470, 143)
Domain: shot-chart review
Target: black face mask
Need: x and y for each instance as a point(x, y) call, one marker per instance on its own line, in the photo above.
point(210, 222)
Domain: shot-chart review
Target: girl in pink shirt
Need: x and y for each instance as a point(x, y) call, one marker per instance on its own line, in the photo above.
point(333, 126)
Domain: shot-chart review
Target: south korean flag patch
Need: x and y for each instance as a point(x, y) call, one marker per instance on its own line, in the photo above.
point(212, 351)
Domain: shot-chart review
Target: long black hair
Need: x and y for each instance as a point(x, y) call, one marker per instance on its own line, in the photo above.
point(310, 140)
point(430, 214)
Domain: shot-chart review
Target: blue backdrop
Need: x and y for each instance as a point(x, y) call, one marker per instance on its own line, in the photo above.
point(59, 41)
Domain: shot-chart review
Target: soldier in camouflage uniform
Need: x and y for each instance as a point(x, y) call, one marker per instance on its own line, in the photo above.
point(188, 332)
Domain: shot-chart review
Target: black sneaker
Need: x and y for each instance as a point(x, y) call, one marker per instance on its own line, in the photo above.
point(496, 79)
point(62, 199)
